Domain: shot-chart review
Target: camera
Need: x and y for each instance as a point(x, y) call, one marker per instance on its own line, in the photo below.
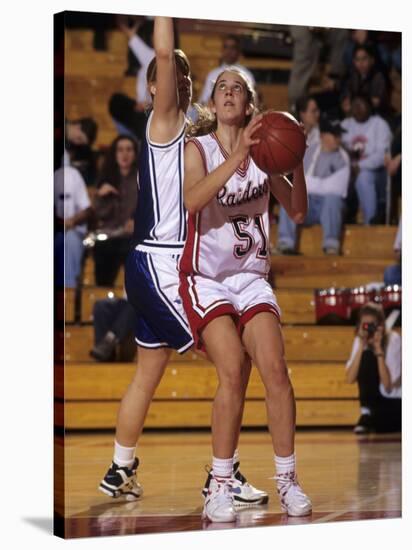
point(370, 328)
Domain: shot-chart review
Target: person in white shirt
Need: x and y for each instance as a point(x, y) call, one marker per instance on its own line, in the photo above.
point(72, 210)
point(367, 139)
point(129, 114)
point(230, 56)
point(375, 364)
point(144, 53)
point(327, 178)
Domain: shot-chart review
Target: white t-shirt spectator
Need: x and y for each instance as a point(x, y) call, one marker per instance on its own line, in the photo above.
point(392, 361)
point(144, 54)
point(70, 194)
point(371, 138)
point(212, 76)
point(328, 173)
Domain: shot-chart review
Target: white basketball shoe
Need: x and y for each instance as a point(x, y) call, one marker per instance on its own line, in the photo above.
point(219, 502)
point(292, 499)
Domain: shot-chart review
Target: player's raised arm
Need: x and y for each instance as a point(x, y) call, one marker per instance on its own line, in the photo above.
point(167, 116)
point(293, 197)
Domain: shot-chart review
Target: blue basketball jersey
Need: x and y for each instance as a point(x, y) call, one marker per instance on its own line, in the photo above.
point(160, 218)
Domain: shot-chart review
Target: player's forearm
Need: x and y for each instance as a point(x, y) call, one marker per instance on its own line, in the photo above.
point(384, 375)
point(299, 195)
point(163, 37)
point(352, 370)
point(199, 194)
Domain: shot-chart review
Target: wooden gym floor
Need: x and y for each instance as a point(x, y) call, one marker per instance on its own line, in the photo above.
point(347, 478)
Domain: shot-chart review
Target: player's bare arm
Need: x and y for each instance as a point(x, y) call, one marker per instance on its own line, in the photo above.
point(293, 197)
point(167, 116)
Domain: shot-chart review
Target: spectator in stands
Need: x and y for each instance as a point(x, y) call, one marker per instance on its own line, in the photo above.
point(367, 138)
point(80, 134)
point(327, 178)
point(375, 364)
point(307, 45)
point(366, 79)
point(129, 114)
point(114, 204)
point(393, 273)
point(362, 37)
point(143, 29)
point(231, 53)
point(308, 113)
point(113, 322)
point(72, 211)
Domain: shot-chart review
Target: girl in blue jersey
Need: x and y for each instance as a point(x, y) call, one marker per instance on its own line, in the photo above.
point(151, 275)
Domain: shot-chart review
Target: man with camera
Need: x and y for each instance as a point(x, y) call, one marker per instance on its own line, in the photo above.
point(375, 364)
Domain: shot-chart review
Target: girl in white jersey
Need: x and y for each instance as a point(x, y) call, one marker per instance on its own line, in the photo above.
point(151, 275)
point(224, 287)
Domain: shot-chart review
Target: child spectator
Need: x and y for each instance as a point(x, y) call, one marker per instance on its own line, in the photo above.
point(327, 178)
point(375, 364)
point(367, 138)
point(114, 204)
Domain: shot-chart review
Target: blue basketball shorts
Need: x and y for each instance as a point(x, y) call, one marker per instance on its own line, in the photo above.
point(152, 287)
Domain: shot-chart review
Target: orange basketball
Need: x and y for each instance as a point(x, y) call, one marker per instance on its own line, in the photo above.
point(282, 143)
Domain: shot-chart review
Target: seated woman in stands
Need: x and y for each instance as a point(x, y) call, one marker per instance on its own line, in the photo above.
point(114, 204)
point(375, 364)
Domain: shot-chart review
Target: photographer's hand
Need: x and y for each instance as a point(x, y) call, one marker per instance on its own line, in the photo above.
point(363, 335)
point(377, 341)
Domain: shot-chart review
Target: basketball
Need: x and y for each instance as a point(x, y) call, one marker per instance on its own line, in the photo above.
point(282, 143)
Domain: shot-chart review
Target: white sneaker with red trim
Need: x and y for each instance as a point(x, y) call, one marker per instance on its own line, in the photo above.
point(219, 501)
point(292, 499)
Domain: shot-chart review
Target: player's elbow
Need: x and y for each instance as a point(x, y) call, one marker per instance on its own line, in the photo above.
point(388, 386)
point(191, 205)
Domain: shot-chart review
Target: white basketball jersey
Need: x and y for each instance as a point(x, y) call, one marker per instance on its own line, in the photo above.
point(160, 218)
point(231, 233)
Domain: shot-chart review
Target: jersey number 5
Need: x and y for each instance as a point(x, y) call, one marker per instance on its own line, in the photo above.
point(239, 224)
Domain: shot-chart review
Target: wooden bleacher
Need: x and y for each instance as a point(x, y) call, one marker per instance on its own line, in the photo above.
point(90, 396)
point(315, 354)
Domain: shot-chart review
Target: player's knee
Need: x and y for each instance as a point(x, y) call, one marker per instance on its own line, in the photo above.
point(277, 376)
point(232, 380)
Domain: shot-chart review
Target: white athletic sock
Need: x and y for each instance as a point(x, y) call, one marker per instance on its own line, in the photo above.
point(236, 457)
point(123, 456)
point(285, 465)
point(222, 467)
point(365, 410)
